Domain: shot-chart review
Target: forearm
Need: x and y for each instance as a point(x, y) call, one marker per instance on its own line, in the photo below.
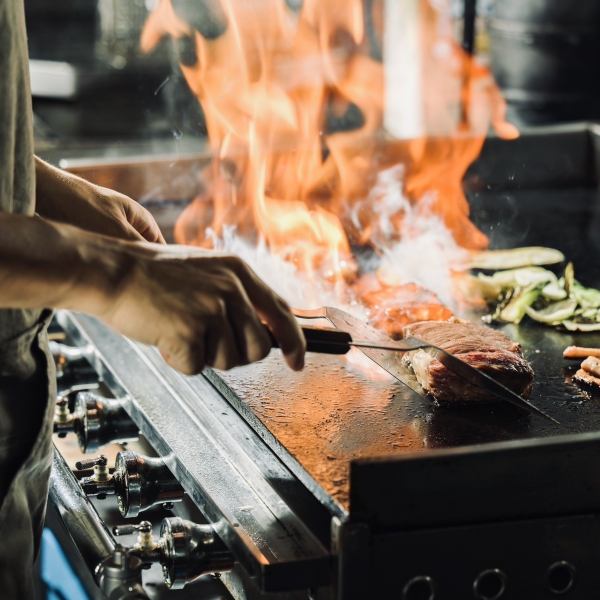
point(46, 264)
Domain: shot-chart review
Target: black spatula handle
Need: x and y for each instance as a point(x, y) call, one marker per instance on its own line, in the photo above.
point(324, 340)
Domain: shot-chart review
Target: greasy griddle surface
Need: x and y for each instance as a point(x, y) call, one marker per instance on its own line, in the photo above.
point(336, 410)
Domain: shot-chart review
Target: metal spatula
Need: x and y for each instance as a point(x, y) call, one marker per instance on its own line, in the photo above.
point(341, 339)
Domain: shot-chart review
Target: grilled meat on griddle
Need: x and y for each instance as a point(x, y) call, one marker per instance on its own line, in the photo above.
point(483, 348)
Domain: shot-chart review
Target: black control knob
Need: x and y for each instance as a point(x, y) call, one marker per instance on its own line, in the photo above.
point(190, 550)
point(101, 421)
point(142, 482)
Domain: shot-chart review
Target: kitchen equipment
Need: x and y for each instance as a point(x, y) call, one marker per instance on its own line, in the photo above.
point(340, 482)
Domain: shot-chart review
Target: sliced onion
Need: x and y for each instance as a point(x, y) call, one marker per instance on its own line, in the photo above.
point(554, 313)
point(583, 327)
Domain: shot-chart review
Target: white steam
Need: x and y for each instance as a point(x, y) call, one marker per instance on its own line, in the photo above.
point(421, 251)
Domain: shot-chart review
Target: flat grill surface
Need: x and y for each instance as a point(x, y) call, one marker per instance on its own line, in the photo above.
point(340, 409)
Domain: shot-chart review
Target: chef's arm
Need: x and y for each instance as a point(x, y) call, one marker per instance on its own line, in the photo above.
point(67, 198)
point(198, 308)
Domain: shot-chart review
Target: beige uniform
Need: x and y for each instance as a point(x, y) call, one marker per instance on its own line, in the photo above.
point(26, 370)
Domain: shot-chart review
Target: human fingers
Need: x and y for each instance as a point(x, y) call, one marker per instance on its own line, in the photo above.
point(142, 221)
point(186, 357)
point(220, 342)
point(274, 311)
point(252, 339)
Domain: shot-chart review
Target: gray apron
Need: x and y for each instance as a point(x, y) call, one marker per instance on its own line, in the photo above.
point(26, 367)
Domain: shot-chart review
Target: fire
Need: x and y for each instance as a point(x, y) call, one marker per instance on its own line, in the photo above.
point(299, 109)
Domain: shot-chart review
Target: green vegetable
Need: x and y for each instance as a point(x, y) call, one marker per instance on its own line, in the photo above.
point(554, 313)
point(491, 286)
point(521, 300)
point(586, 297)
point(519, 277)
point(495, 260)
point(538, 293)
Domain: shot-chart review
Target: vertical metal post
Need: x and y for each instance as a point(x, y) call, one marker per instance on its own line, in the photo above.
point(469, 17)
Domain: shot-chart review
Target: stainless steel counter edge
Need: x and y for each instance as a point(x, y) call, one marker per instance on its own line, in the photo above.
point(214, 454)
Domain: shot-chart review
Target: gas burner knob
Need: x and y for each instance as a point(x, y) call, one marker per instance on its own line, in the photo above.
point(490, 585)
point(142, 482)
point(185, 550)
point(101, 421)
point(561, 577)
point(190, 550)
point(419, 588)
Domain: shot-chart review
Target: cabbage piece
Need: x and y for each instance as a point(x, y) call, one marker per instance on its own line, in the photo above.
point(554, 290)
point(496, 260)
point(587, 297)
point(491, 286)
point(554, 313)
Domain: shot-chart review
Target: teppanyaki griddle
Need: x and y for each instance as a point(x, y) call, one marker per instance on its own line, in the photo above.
point(339, 410)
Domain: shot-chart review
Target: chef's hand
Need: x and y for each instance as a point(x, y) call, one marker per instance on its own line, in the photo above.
point(201, 309)
point(66, 198)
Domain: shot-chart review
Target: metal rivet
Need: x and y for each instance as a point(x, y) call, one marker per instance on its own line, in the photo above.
point(561, 577)
point(419, 588)
point(490, 585)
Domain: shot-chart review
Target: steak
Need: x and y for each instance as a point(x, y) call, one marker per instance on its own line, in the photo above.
point(485, 349)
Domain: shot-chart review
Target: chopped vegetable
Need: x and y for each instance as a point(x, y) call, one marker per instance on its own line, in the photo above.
point(515, 309)
point(554, 291)
point(491, 286)
point(554, 313)
point(496, 260)
point(587, 297)
point(569, 278)
point(540, 294)
point(519, 277)
point(583, 327)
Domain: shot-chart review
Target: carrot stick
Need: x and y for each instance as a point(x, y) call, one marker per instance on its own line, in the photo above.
point(579, 352)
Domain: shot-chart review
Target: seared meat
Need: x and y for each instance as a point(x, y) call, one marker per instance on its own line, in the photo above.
point(592, 365)
point(584, 376)
point(483, 348)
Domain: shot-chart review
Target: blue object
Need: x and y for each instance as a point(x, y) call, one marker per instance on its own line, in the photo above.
point(56, 572)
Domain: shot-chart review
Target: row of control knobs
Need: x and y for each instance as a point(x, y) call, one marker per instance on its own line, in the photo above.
point(185, 550)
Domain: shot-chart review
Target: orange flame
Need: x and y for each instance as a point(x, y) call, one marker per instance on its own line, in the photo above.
point(294, 103)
